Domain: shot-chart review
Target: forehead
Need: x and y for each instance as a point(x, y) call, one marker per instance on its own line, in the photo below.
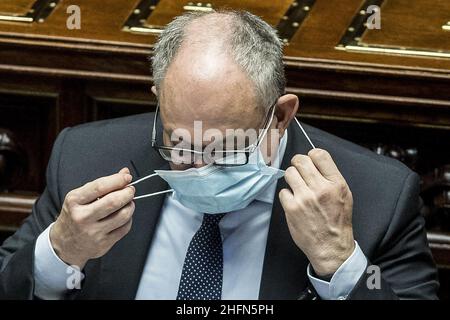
point(206, 85)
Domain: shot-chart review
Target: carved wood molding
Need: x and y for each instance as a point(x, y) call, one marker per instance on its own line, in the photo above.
point(446, 26)
point(40, 10)
point(293, 18)
point(287, 26)
point(440, 246)
point(14, 208)
point(352, 39)
point(438, 178)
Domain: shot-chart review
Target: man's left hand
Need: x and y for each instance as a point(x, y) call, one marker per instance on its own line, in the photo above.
point(319, 210)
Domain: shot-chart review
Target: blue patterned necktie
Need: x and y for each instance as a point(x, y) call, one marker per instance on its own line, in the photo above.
point(201, 278)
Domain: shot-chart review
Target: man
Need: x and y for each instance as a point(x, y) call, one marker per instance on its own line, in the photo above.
point(342, 223)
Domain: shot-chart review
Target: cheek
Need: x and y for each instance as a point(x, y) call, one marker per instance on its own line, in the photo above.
point(179, 166)
point(166, 140)
point(270, 144)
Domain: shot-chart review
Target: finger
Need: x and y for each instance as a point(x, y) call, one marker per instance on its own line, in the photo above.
point(286, 198)
point(110, 203)
point(102, 186)
point(122, 231)
point(307, 170)
point(325, 164)
point(117, 219)
point(294, 180)
point(124, 170)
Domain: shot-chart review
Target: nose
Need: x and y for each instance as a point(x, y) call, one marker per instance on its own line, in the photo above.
point(187, 166)
point(198, 165)
point(199, 161)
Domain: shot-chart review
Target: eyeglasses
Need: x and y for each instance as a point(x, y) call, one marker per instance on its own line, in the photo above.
point(225, 158)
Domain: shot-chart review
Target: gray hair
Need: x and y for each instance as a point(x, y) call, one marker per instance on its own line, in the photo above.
point(254, 45)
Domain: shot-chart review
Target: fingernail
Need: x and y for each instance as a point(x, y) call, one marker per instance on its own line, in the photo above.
point(133, 188)
point(128, 178)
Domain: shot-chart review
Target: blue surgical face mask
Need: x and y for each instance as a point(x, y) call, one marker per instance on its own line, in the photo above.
point(216, 189)
point(213, 189)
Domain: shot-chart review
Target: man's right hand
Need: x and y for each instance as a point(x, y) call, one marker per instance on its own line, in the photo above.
point(93, 218)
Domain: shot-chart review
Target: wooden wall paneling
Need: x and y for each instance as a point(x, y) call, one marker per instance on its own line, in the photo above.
point(16, 7)
point(119, 98)
point(72, 103)
point(26, 11)
point(14, 208)
point(368, 108)
point(86, 61)
point(440, 245)
point(328, 22)
point(409, 28)
point(31, 119)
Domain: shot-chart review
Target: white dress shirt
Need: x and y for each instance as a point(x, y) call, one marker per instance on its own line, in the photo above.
point(244, 236)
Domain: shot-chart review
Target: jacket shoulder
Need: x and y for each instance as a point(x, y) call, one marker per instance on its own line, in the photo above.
point(101, 148)
point(129, 125)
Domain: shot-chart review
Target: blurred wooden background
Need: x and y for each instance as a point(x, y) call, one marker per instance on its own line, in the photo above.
point(387, 89)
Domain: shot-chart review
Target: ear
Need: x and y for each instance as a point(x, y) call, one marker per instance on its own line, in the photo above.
point(286, 109)
point(154, 91)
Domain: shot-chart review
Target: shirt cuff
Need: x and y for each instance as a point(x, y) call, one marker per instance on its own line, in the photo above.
point(52, 276)
point(344, 279)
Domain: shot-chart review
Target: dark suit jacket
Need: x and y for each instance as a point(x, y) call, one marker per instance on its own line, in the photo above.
point(386, 219)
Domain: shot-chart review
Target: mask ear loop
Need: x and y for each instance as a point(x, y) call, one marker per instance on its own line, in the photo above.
point(150, 194)
point(301, 128)
point(304, 132)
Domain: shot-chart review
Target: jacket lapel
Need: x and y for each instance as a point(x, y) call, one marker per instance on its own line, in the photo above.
point(122, 267)
point(284, 270)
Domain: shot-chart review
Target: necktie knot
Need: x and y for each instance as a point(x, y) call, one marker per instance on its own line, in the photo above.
point(212, 218)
